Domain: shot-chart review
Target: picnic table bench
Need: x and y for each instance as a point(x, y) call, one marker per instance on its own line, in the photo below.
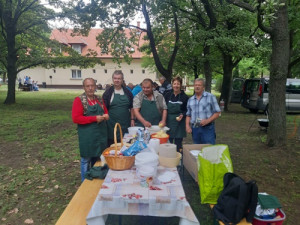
point(24, 87)
point(81, 203)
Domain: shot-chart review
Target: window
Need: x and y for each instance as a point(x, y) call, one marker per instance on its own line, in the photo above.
point(253, 85)
point(54, 70)
point(105, 71)
point(76, 74)
point(143, 71)
point(77, 48)
point(94, 71)
point(132, 49)
point(294, 87)
point(131, 71)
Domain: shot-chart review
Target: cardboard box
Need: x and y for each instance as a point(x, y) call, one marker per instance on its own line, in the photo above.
point(189, 161)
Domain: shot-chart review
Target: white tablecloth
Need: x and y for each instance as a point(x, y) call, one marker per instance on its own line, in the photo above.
point(122, 194)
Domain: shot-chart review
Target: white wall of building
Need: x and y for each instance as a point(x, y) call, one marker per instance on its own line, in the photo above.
point(133, 73)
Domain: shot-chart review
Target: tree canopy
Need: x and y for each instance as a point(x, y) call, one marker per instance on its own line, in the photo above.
point(25, 43)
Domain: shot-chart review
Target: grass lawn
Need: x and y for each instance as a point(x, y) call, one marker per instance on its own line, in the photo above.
point(40, 172)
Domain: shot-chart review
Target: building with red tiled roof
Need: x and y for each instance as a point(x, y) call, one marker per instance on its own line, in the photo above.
point(72, 77)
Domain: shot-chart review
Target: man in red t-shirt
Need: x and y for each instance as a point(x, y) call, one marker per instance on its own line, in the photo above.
point(90, 114)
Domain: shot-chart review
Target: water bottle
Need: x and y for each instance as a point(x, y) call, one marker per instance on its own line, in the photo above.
point(222, 104)
point(146, 136)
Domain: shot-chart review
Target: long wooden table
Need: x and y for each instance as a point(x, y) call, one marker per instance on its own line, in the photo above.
point(81, 203)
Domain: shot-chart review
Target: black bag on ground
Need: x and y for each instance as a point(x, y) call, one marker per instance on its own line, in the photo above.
point(237, 200)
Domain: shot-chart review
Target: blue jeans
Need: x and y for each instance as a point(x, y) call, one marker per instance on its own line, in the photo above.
point(204, 135)
point(86, 164)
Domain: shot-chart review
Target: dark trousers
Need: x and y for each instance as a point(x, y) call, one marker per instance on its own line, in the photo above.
point(177, 142)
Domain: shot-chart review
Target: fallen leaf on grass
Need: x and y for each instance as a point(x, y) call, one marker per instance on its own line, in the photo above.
point(28, 221)
point(76, 161)
point(40, 187)
point(28, 182)
point(3, 219)
point(69, 194)
point(30, 168)
point(56, 186)
point(47, 190)
point(15, 210)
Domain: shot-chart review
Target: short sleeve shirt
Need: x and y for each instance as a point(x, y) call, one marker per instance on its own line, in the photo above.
point(157, 97)
point(203, 108)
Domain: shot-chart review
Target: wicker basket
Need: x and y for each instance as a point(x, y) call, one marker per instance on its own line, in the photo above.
point(116, 162)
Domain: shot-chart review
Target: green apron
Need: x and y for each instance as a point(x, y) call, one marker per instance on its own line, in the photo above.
point(93, 136)
point(118, 113)
point(149, 112)
point(177, 128)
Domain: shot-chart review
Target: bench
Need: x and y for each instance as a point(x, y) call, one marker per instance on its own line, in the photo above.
point(24, 88)
point(242, 222)
point(77, 210)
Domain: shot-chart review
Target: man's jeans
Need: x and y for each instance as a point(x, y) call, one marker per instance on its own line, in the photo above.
point(204, 135)
point(86, 164)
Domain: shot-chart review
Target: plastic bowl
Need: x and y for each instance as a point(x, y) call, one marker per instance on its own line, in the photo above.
point(146, 158)
point(162, 140)
point(156, 128)
point(133, 130)
point(170, 162)
point(277, 221)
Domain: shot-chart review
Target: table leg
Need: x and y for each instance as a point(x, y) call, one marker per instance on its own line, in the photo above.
point(120, 219)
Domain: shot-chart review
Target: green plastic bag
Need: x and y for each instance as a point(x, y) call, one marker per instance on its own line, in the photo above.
point(214, 162)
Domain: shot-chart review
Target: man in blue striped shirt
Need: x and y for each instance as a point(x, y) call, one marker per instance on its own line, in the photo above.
point(202, 111)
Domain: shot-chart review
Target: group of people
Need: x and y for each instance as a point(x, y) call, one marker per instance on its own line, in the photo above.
point(168, 105)
point(29, 83)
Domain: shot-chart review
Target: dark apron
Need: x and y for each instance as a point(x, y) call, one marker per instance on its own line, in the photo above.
point(93, 136)
point(149, 112)
point(118, 113)
point(177, 128)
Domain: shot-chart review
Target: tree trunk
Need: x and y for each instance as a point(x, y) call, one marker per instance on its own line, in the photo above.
point(196, 75)
point(10, 30)
point(291, 36)
point(278, 75)
point(4, 77)
point(227, 79)
point(166, 72)
point(207, 69)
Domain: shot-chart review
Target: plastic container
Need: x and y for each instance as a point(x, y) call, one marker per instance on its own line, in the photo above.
point(146, 158)
point(145, 171)
point(145, 174)
point(162, 140)
point(133, 130)
point(170, 162)
point(154, 144)
point(155, 128)
point(278, 221)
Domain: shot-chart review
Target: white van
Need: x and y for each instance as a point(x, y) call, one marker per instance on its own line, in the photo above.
point(255, 94)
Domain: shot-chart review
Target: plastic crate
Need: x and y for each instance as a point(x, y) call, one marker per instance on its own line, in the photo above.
point(278, 221)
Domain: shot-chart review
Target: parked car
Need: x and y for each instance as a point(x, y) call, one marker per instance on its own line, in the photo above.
point(255, 94)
